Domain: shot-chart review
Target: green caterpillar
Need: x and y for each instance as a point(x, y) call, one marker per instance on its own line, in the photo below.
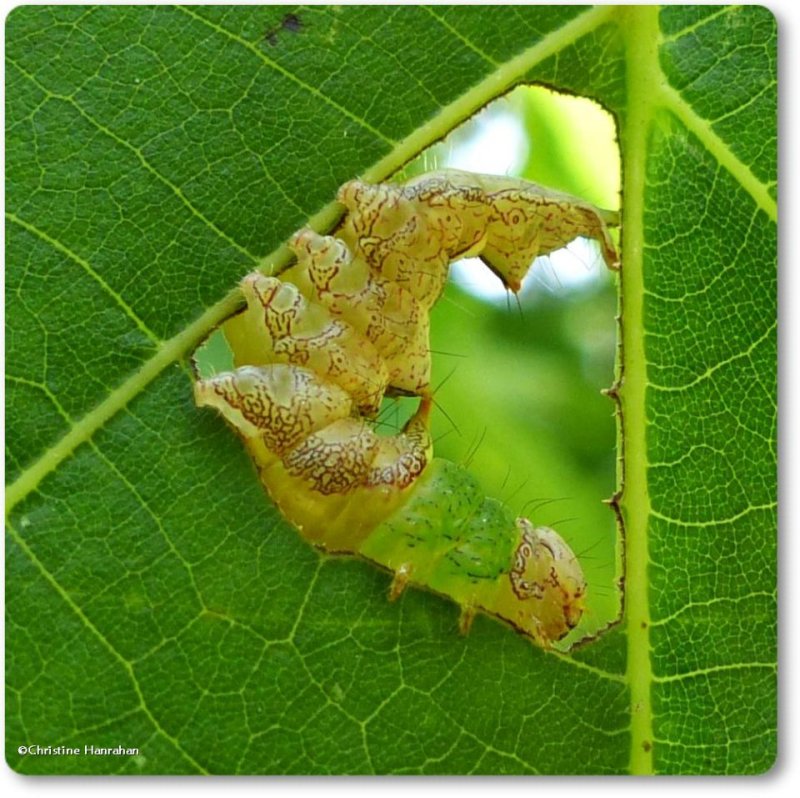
point(317, 350)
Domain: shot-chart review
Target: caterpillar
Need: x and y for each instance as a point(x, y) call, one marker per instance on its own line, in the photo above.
point(317, 350)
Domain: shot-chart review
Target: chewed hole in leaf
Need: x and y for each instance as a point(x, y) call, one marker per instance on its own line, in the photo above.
point(517, 382)
point(524, 375)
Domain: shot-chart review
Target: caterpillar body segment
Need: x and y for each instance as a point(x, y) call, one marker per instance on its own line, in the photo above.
point(441, 216)
point(329, 473)
point(304, 333)
point(384, 313)
point(316, 351)
point(385, 498)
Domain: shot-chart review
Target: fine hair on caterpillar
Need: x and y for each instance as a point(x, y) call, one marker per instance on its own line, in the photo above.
point(317, 350)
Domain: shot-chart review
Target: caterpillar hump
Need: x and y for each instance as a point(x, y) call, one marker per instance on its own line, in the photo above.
point(317, 350)
point(326, 469)
point(441, 216)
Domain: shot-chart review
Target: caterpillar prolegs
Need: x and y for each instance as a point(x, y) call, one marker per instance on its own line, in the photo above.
point(317, 350)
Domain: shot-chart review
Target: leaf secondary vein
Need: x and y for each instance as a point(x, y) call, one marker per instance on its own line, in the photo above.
point(715, 521)
point(495, 84)
point(466, 42)
point(82, 430)
point(703, 605)
point(126, 665)
point(711, 370)
point(290, 75)
point(177, 190)
point(719, 149)
point(87, 267)
point(732, 666)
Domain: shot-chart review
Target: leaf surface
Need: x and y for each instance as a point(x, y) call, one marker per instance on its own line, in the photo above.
point(156, 600)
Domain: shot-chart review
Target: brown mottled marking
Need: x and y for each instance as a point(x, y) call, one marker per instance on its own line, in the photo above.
point(305, 334)
point(419, 227)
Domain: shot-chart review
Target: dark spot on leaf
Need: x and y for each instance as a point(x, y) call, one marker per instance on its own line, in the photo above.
point(647, 745)
point(291, 23)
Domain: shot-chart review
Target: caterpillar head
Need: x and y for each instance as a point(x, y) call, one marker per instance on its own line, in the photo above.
point(546, 583)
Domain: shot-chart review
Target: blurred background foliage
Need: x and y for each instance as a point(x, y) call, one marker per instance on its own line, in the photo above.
point(518, 380)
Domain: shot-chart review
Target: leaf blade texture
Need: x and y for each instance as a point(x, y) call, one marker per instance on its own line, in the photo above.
point(156, 600)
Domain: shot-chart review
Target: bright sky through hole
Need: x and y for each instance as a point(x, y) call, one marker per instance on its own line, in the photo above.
point(499, 146)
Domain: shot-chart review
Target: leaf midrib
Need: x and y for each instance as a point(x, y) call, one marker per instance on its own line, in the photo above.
point(642, 36)
point(649, 94)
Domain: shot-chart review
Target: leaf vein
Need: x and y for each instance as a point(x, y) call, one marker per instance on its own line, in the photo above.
point(142, 160)
point(720, 150)
point(87, 267)
point(714, 522)
point(734, 666)
point(290, 75)
point(459, 36)
point(709, 372)
point(126, 665)
point(710, 603)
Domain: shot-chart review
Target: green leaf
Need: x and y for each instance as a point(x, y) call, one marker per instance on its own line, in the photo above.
point(155, 600)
